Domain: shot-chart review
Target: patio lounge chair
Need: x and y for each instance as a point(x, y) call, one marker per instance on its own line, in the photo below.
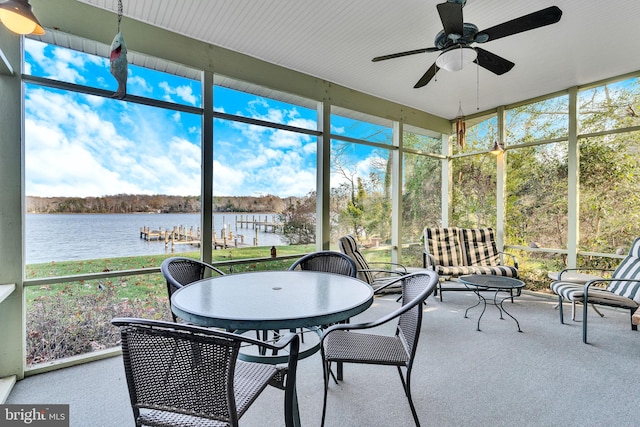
point(345, 344)
point(380, 274)
point(181, 375)
point(622, 289)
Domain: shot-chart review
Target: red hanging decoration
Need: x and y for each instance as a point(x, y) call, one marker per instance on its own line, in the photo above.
point(461, 128)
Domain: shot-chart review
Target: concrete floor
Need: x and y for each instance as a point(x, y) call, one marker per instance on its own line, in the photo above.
point(544, 376)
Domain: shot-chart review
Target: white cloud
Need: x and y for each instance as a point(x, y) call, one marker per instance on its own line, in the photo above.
point(286, 139)
point(228, 180)
point(58, 167)
point(76, 151)
point(338, 130)
point(185, 93)
point(83, 145)
point(140, 82)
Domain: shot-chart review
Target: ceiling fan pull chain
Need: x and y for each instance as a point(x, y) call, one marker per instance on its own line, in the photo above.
point(477, 87)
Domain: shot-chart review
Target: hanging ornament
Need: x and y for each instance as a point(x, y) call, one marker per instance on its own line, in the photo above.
point(118, 59)
point(461, 127)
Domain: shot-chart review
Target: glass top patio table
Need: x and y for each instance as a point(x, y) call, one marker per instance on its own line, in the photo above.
point(271, 300)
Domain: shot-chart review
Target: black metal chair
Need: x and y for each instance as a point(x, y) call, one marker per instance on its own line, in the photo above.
point(342, 344)
point(184, 375)
point(327, 261)
point(179, 272)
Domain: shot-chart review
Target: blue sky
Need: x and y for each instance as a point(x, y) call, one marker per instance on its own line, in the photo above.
point(81, 145)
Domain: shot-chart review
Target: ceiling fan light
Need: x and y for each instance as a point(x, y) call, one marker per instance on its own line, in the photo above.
point(456, 59)
point(17, 16)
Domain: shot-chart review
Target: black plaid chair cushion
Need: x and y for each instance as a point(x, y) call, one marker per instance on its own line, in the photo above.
point(496, 270)
point(454, 270)
point(444, 245)
point(479, 247)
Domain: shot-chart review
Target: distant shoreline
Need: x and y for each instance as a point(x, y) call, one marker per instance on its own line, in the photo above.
point(157, 203)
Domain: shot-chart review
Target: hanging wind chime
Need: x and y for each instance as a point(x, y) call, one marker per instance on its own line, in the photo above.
point(118, 59)
point(461, 127)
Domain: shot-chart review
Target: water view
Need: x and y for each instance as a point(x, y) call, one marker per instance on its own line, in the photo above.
point(65, 237)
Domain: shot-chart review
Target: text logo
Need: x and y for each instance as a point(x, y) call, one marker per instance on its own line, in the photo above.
point(34, 415)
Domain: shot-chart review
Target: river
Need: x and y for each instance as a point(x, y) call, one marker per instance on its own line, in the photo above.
point(66, 237)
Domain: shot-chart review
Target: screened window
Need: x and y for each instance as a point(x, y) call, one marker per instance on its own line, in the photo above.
point(608, 107)
point(541, 120)
point(478, 137)
point(536, 199)
point(71, 66)
point(360, 192)
point(609, 202)
point(360, 126)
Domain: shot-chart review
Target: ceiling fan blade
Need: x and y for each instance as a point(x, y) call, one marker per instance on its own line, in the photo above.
point(400, 54)
point(538, 19)
point(451, 17)
point(492, 62)
point(426, 78)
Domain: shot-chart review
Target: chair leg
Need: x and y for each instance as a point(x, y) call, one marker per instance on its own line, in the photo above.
point(596, 310)
point(560, 309)
point(585, 310)
point(325, 371)
point(406, 385)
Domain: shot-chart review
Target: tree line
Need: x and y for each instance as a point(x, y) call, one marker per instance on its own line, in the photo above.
point(157, 203)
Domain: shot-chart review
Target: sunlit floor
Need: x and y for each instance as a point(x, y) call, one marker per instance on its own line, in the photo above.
point(544, 376)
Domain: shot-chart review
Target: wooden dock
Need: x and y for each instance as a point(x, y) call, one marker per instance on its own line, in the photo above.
point(180, 235)
point(257, 223)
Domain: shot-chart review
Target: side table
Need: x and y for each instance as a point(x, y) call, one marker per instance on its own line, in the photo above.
point(481, 282)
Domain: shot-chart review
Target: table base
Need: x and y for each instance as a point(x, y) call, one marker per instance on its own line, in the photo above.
point(257, 354)
point(497, 301)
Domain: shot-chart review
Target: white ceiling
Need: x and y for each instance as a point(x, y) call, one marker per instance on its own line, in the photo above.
point(336, 39)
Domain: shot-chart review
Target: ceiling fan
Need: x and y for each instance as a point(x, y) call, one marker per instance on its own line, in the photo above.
point(454, 41)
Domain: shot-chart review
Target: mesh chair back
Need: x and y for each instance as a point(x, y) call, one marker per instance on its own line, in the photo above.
point(180, 272)
point(629, 268)
point(178, 371)
point(184, 375)
point(349, 247)
point(327, 261)
point(415, 289)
